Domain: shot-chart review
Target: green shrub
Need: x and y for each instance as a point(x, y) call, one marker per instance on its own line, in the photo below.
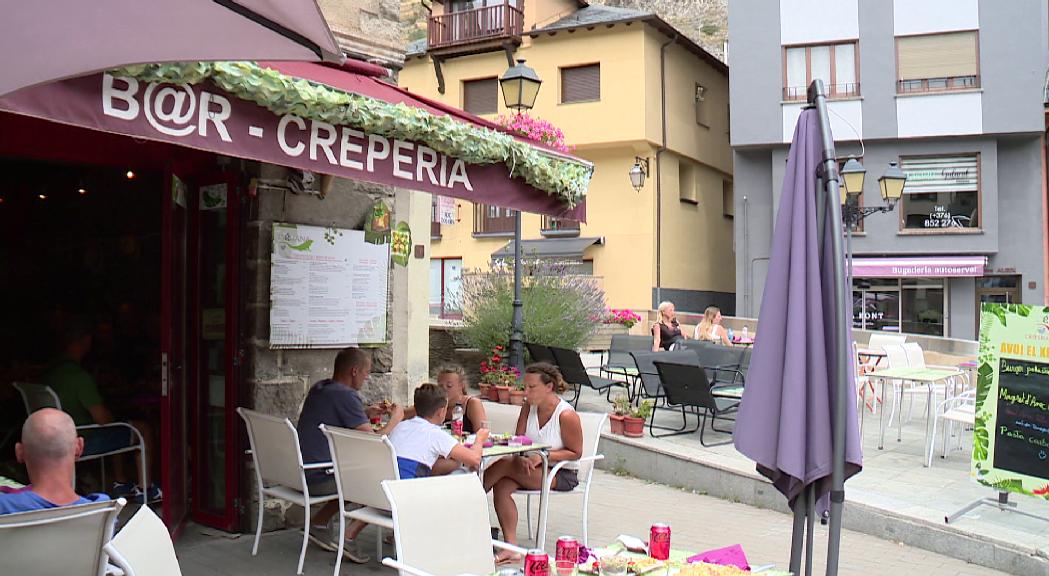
point(560, 307)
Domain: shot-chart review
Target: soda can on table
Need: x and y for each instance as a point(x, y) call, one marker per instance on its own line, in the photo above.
point(567, 549)
point(659, 542)
point(536, 563)
point(457, 427)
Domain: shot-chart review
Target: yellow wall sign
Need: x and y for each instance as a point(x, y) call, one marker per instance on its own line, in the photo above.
point(1011, 437)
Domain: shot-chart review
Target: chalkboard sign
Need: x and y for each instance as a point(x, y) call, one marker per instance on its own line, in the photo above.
point(1011, 436)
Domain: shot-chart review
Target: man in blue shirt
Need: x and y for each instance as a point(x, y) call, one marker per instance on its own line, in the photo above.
point(49, 449)
point(337, 402)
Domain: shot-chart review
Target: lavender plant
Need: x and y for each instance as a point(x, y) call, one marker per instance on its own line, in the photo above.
point(561, 306)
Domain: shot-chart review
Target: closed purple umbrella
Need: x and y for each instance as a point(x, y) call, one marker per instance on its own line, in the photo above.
point(786, 421)
point(46, 40)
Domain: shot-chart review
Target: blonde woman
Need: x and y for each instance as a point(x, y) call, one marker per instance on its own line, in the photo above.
point(710, 328)
point(666, 332)
point(452, 379)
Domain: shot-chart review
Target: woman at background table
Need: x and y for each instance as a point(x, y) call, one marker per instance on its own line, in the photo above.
point(545, 419)
point(452, 378)
point(710, 328)
point(666, 332)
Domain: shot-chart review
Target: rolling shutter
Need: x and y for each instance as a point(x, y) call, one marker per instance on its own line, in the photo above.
point(581, 84)
point(481, 96)
point(947, 174)
point(937, 56)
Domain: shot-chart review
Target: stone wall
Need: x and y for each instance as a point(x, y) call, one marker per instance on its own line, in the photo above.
point(368, 29)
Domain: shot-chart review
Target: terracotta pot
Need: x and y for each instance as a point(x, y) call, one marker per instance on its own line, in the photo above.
point(517, 397)
point(493, 393)
point(504, 394)
point(617, 423)
point(483, 387)
point(633, 427)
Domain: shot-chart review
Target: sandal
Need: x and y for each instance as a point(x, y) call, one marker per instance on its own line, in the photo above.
point(510, 558)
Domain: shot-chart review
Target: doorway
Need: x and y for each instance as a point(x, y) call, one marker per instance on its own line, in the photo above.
point(997, 289)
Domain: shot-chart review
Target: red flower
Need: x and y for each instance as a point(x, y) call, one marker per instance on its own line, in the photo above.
point(1042, 491)
point(499, 348)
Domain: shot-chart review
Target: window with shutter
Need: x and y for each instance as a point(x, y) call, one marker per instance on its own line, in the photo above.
point(937, 62)
point(942, 194)
point(481, 96)
point(581, 84)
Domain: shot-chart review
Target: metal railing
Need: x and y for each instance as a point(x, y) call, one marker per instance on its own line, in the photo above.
point(476, 25)
point(937, 84)
point(559, 227)
point(493, 220)
point(845, 90)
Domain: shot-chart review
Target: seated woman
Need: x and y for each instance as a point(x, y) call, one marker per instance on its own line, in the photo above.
point(666, 332)
point(452, 378)
point(710, 328)
point(546, 419)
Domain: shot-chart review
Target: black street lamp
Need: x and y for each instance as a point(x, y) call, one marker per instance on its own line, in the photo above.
point(890, 184)
point(520, 85)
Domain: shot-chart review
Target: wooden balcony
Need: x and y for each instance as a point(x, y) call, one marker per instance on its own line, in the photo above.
point(476, 28)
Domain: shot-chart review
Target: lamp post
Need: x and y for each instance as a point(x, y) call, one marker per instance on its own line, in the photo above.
point(520, 85)
point(852, 175)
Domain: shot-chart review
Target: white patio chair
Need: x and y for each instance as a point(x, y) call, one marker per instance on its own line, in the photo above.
point(63, 540)
point(38, 396)
point(362, 460)
point(879, 340)
point(502, 418)
point(592, 424)
point(960, 409)
point(426, 545)
point(279, 471)
point(143, 547)
point(863, 383)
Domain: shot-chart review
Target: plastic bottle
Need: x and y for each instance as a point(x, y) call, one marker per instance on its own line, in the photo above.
point(746, 333)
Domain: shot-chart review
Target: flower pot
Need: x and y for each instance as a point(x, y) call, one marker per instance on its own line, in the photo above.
point(484, 387)
point(517, 397)
point(616, 421)
point(493, 393)
point(503, 393)
point(633, 427)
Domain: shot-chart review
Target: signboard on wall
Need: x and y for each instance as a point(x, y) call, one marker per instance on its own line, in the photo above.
point(1011, 436)
point(328, 288)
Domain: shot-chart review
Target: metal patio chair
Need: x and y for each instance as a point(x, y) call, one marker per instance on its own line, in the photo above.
point(686, 386)
point(574, 372)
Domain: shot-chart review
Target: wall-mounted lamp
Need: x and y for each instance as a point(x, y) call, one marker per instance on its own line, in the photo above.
point(890, 185)
point(638, 173)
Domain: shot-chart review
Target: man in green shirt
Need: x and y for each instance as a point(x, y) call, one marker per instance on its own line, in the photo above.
point(78, 393)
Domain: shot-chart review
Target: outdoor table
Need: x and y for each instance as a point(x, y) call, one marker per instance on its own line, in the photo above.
point(678, 559)
point(744, 342)
point(498, 451)
point(923, 376)
point(875, 354)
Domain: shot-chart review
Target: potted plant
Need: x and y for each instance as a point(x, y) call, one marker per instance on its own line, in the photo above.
point(484, 388)
point(634, 424)
point(620, 408)
point(499, 376)
point(517, 394)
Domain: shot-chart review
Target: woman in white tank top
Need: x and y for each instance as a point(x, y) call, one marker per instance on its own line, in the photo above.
point(546, 419)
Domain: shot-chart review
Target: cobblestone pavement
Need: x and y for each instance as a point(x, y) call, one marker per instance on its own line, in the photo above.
point(619, 505)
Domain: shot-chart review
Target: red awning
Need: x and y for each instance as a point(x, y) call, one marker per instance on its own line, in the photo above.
point(204, 117)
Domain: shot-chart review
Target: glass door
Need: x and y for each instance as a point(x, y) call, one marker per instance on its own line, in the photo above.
point(876, 304)
point(173, 304)
point(216, 350)
point(997, 289)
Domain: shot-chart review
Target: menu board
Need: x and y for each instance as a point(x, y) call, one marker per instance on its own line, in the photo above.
point(1011, 436)
point(328, 288)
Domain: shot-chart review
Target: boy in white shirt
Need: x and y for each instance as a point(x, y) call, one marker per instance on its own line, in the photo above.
point(420, 441)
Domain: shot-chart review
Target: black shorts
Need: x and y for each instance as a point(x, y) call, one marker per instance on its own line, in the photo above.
point(566, 480)
point(323, 486)
point(107, 439)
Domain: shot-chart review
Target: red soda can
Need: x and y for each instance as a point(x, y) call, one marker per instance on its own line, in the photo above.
point(659, 542)
point(567, 549)
point(537, 563)
point(457, 427)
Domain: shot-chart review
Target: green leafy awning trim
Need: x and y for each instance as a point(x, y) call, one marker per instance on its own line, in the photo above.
point(283, 94)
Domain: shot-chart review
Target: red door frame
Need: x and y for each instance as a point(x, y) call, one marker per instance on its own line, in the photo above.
point(228, 519)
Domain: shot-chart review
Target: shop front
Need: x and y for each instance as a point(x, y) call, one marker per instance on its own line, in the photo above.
point(909, 294)
point(146, 205)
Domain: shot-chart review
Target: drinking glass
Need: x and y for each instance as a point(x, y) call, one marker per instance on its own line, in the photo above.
point(613, 566)
point(565, 567)
point(514, 442)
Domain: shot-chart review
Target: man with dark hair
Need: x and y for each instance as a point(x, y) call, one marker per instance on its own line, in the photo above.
point(78, 393)
point(49, 449)
point(336, 402)
point(420, 441)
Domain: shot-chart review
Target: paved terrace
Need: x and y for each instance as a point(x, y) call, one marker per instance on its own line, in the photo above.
point(894, 497)
point(619, 505)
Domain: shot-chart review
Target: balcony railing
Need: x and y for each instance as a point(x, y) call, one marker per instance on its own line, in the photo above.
point(493, 220)
point(559, 227)
point(799, 93)
point(476, 25)
point(943, 84)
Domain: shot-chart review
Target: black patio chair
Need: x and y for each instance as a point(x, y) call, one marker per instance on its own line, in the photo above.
point(651, 387)
point(686, 386)
point(724, 364)
point(540, 353)
point(619, 362)
point(574, 372)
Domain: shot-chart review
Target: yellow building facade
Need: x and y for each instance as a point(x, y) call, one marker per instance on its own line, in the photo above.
point(659, 97)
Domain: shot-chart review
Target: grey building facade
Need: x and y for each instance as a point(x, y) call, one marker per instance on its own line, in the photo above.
point(950, 89)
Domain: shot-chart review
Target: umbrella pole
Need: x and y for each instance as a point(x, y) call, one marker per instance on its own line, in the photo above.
point(797, 539)
point(817, 95)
